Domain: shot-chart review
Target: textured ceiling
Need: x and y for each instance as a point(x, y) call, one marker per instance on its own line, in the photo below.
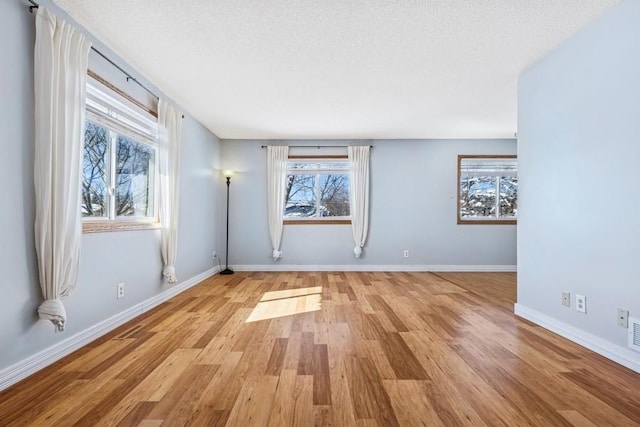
point(338, 68)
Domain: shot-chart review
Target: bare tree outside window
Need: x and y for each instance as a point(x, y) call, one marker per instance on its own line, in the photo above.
point(132, 172)
point(133, 165)
point(94, 178)
point(317, 189)
point(334, 194)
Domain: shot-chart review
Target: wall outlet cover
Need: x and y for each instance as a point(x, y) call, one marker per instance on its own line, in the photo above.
point(623, 318)
point(566, 299)
point(581, 303)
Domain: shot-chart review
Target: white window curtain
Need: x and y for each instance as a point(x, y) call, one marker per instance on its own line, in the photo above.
point(359, 162)
point(276, 184)
point(60, 69)
point(169, 124)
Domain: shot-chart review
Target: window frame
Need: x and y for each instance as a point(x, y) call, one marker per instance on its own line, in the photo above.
point(320, 220)
point(112, 222)
point(483, 221)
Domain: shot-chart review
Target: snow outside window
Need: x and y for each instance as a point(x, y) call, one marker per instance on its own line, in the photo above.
point(487, 189)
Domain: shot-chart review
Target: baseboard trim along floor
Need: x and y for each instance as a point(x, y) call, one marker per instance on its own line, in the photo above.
point(611, 351)
point(46, 357)
point(371, 267)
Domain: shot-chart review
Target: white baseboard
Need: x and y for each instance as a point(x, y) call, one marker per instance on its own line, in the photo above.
point(38, 361)
point(375, 267)
point(611, 351)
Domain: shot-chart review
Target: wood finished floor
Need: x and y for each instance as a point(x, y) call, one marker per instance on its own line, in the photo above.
point(365, 349)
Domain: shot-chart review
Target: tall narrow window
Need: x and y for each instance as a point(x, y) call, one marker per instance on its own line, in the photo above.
point(119, 165)
point(317, 189)
point(487, 189)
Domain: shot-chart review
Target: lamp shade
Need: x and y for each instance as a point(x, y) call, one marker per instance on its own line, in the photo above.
point(228, 173)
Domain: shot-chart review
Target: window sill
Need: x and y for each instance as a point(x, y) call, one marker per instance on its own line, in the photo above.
point(316, 221)
point(487, 221)
point(109, 226)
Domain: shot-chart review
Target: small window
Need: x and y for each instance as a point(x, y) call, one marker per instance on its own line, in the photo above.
point(487, 189)
point(317, 189)
point(119, 172)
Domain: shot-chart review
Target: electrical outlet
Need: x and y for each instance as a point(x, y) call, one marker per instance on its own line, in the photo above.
point(581, 303)
point(120, 290)
point(623, 318)
point(406, 253)
point(566, 299)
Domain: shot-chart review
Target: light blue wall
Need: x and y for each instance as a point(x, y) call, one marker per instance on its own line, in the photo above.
point(107, 258)
point(578, 152)
point(413, 206)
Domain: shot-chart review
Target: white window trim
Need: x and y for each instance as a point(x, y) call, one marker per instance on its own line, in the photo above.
point(120, 116)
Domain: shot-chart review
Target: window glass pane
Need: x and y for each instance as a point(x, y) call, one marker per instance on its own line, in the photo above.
point(300, 196)
point(302, 166)
point(134, 172)
point(334, 195)
point(489, 167)
point(94, 171)
point(334, 166)
point(478, 196)
point(509, 196)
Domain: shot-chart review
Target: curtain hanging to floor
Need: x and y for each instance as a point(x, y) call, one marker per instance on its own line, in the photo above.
point(276, 184)
point(60, 69)
point(359, 170)
point(169, 125)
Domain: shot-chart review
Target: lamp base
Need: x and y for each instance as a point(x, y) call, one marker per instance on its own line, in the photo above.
point(227, 271)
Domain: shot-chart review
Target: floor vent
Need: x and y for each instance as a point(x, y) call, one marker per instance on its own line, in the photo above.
point(634, 334)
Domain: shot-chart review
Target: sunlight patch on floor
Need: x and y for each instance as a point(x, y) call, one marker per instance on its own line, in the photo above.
point(290, 293)
point(287, 303)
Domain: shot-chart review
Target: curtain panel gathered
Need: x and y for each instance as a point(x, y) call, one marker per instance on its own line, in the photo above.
point(276, 184)
point(169, 125)
point(359, 162)
point(60, 69)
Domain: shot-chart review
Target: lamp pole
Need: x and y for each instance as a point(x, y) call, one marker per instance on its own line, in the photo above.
point(227, 270)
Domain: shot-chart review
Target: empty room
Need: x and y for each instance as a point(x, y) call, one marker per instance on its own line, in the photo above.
point(336, 213)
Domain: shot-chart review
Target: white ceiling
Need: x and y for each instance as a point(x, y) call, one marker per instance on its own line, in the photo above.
point(338, 68)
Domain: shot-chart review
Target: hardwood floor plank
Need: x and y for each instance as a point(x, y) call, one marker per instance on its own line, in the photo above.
point(622, 400)
point(217, 395)
point(212, 418)
point(306, 356)
point(378, 303)
point(276, 359)
point(321, 379)
point(517, 394)
point(370, 400)
point(138, 413)
point(576, 419)
point(23, 407)
point(254, 403)
point(180, 405)
point(404, 363)
point(331, 348)
point(411, 404)
point(117, 356)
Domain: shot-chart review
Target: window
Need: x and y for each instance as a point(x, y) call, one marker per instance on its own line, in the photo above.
point(119, 172)
point(317, 189)
point(487, 189)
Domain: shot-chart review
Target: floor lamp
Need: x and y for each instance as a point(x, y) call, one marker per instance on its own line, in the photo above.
point(227, 270)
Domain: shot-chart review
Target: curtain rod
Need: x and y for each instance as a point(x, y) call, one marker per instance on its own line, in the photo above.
point(35, 5)
point(320, 146)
